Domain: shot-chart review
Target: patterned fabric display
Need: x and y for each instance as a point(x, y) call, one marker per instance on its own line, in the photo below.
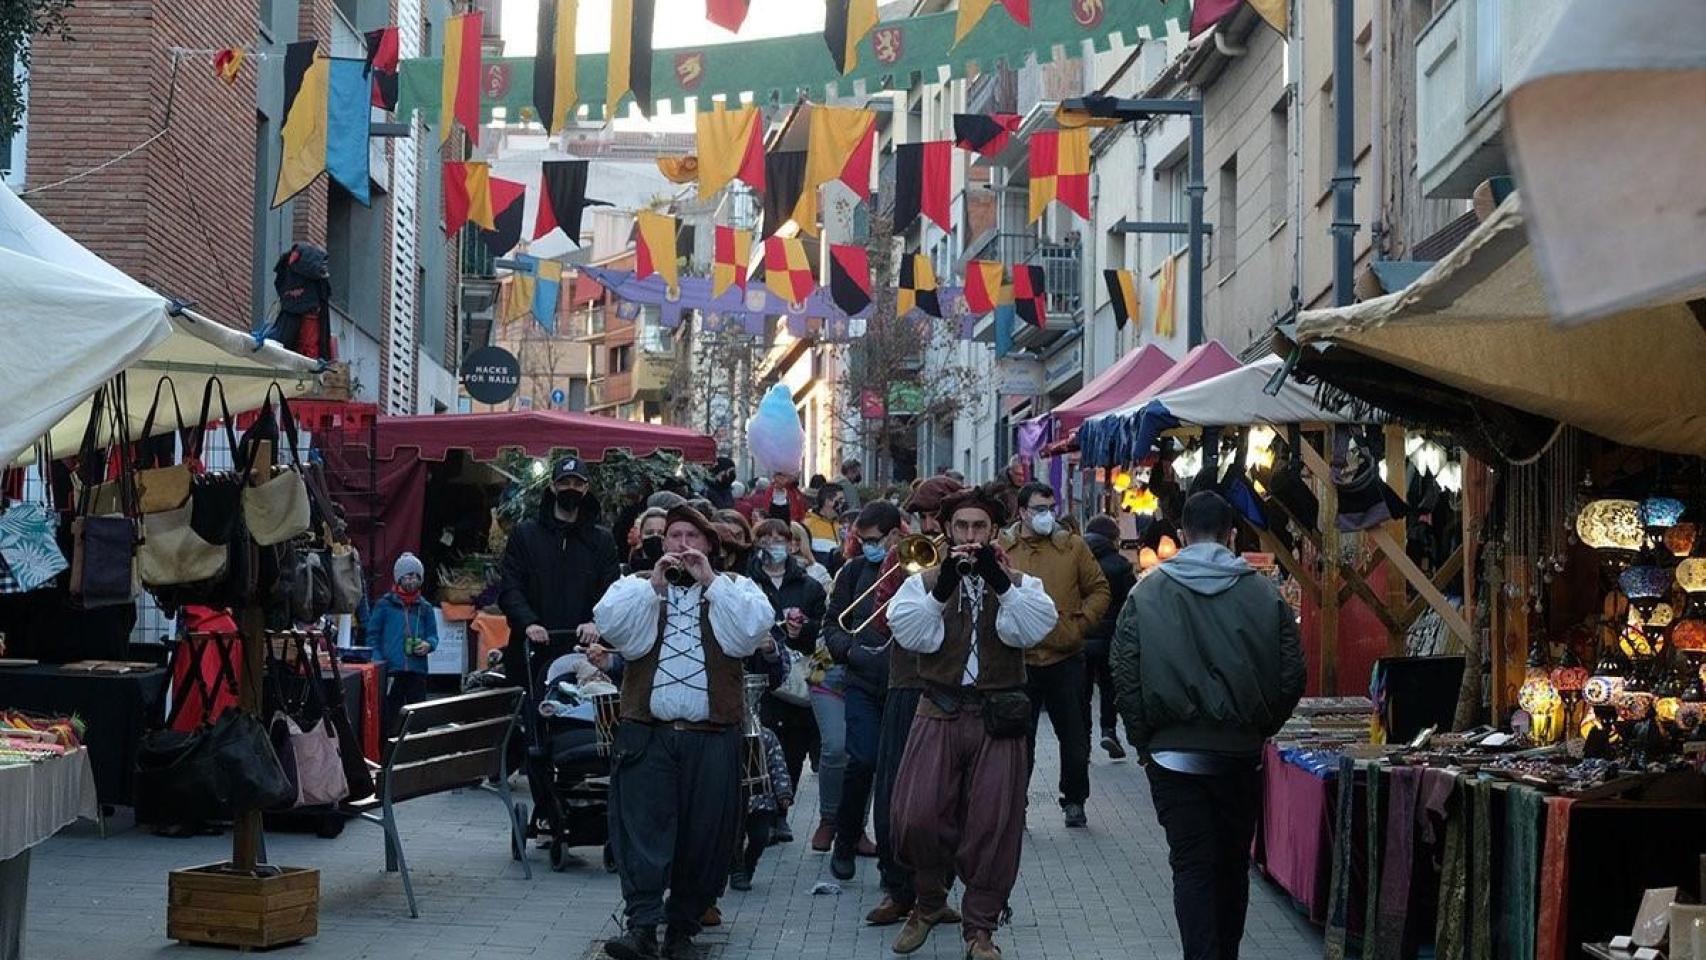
point(28, 548)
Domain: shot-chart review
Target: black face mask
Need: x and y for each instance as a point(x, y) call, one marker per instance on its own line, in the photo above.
point(651, 548)
point(569, 500)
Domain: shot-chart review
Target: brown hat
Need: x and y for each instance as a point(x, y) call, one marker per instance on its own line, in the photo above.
point(978, 497)
point(683, 513)
point(927, 497)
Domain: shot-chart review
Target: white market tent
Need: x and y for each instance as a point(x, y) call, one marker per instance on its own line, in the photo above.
point(70, 321)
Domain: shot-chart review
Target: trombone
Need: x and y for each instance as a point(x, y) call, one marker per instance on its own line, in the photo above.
point(914, 553)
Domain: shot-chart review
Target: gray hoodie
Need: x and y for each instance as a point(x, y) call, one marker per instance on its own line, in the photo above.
point(1208, 569)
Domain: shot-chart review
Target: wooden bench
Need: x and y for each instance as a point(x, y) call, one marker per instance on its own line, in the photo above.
point(446, 744)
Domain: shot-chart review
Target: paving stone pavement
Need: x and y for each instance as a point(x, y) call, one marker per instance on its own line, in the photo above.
point(1102, 892)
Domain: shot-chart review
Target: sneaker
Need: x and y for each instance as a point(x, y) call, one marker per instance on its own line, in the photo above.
point(917, 930)
point(1111, 744)
point(841, 864)
point(639, 943)
point(824, 836)
point(740, 880)
point(680, 946)
point(868, 848)
point(1075, 815)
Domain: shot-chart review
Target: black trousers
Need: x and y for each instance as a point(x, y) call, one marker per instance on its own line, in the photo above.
point(1059, 689)
point(402, 689)
point(795, 727)
point(898, 710)
point(1100, 682)
point(675, 812)
point(755, 837)
point(1210, 822)
point(864, 739)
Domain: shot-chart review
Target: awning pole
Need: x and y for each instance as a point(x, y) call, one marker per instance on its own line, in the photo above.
point(1344, 173)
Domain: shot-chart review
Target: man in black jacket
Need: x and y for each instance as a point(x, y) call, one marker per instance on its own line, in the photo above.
point(866, 657)
point(1102, 535)
point(720, 488)
point(1208, 665)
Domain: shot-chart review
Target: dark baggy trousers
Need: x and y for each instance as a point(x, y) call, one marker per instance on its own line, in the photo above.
point(755, 837)
point(1210, 821)
point(1100, 677)
point(675, 813)
point(959, 806)
point(898, 710)
point(864, 740)
point(1059, 689)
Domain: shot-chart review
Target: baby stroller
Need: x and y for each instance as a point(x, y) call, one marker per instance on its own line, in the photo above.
point(569, 736)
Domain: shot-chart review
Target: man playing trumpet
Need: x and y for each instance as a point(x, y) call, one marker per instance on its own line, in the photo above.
point(959, 803)
point(675, 802)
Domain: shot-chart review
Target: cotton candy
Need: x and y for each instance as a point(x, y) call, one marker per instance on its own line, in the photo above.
point(774, 434)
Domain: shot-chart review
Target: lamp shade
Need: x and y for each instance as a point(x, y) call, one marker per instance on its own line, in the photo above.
point(1689, 636)
point(1168, 548)
point(1611, 525)
point(1679, 540)
point(1569, 676)
point(1645, 586)
point(1691, 575)
point(1661, 513)
point(1639, 643)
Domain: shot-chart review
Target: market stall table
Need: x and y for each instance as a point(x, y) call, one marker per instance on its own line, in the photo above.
point(36, 800)
point(117, 710)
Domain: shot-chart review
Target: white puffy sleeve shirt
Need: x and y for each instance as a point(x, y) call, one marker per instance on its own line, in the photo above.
point(627, 616)
point(1025, 617)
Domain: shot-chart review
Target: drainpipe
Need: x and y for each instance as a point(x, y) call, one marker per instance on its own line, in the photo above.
point(1344, 173)
point(1376, 136)
point(1196, 188)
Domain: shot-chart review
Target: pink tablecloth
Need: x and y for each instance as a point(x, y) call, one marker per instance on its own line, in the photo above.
point(1297, 834)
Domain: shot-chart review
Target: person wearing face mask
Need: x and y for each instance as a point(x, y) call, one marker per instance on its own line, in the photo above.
point(1056, 669)
point(649, 547)
point(402, 631)
point(803, 552)
point(781, 499)
point(798, 603)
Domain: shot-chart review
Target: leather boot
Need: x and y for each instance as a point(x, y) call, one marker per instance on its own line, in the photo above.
point(982, 947)
point(639, 943)
point(917, 930)
point(824, 837)
point(887, 913)
point(713, 917)
point(679, 945)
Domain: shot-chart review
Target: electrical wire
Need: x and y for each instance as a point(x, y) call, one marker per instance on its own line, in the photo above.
point(165, 126)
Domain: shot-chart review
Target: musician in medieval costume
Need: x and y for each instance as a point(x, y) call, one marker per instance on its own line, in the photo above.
point(959, 801)
point(675, 800)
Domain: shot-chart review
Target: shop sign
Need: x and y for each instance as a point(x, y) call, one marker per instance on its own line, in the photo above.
point(905, 398)
point(871, 404)
point(1019, 377)
point(491, 374)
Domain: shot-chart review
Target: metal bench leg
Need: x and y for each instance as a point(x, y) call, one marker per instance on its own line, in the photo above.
point(517, 830)
point(394, 861)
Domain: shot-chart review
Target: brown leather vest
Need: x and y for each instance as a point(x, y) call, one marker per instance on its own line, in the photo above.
point(723, 675)
point(903, 671)
point(999, 667)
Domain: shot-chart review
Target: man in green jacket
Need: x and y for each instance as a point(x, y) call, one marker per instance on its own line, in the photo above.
point(1207, 665)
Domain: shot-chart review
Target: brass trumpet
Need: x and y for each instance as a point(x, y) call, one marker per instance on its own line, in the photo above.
point(915, 553)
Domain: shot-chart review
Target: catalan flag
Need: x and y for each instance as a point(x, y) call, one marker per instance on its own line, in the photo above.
point(731, 146)
point(849, 277)
point(307, 85)
point(923, 184)
point(554, 92)
point(459, 97)
point(787, 272)
point(983, 285)
point(728, 14)
point(987, 135)
point(845, 24)
point(841, 144)
point(383, 62)
point(1122, 295)
point(630, 63)
point(562, 198)
point(228, 63)
point(467, 196)
point(972, 11)
point(917, 287)
point(655, 249)
point(730, 255)
point(1030, 294)
point(1167, 296)
point(508, 203)
point(1060, 170)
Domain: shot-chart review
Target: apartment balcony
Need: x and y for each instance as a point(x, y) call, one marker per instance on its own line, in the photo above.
point(1063, 282)
point(1466, 58)
point(650, 377)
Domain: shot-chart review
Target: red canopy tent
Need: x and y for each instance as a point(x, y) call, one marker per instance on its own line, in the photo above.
point(1112, 388)
point(1209, 360)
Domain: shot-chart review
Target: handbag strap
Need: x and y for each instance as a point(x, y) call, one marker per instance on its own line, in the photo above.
point(206, 418)
point(183, 432)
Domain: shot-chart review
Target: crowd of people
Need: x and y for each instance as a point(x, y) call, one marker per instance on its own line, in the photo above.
point(906, 651)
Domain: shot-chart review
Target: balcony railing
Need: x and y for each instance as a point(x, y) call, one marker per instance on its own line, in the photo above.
point(1061, 263)
point(476, 259)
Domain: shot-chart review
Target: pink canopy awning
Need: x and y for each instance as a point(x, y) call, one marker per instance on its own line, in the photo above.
point(536, 432)
point(1209, 360)
point(1113, 387)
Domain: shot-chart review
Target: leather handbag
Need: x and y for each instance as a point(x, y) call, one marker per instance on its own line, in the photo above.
point(163, 488)
point(311, 593)
point(215, 518)
point(303, 731)
point(348, 587)
point(103, 559)
point(172, 553)
point(277, 509)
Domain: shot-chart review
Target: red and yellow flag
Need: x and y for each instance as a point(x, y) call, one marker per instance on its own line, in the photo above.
point(983, 285)
point(1060, 170)
point(655, 249)
point(459, 96)
point(972, 11)
point(729, 258)
point(468, 196)
point(228, 63)
point(1166, 299)
point(842, 140)
point(787, 272)
point(731, 146)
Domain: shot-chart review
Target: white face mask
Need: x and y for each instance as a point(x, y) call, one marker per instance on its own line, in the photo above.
point(1043, 523)
point(776, 554)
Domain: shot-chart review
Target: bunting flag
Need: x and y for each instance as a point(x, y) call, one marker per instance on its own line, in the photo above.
point(1122, 294)
point(787, 272)
point(972, 11)
point(459, 97)
point(1207, 13)
point(508, 203)
point(917, 287)
point(1004, 316)
point(849, 277)
point(522, 289)
point(1060, 170)
point(984, 279)
point(655, 249)
point(629, 66)
point(845, 23)
point(302, 136)
point(554, 93)
point(349, 110)
point(1167, 296)
point(728, 14)
point(383, 59)
point(679, 168)
point(784, 184)
point(547, 292)
point(731, 146)
point(467, 196)
point(562, 198)
point(985, 135)
point(842, 140)
point(228, 63)
point(729, 257)
point(1029, 294)
point(923, 184)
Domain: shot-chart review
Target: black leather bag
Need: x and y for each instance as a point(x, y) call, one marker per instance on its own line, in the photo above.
point(1007, 714)
point(215, 772)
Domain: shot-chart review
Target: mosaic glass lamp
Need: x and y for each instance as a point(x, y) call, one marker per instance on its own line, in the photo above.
point(1646, 586)
point(1661, 513)
point(1691, 575)
point(1612, 528)
point(1679, 540)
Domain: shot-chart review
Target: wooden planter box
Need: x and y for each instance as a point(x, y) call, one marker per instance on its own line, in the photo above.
point(210, 905)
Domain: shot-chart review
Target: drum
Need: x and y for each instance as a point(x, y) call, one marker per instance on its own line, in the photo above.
point(755, 772)
point(608, 707)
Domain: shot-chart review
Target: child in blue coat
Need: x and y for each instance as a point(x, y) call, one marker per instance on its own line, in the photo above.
point(402, 629)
